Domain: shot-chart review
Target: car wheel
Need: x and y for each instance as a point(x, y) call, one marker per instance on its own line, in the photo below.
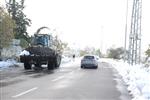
point(51, 65)
point(27, 65)
point(96, 67)
point(82, 67)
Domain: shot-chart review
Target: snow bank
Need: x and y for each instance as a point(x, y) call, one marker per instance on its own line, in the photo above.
point(7, 64)
point(72, 62)
point(136, 77)
point(65, 59)
point(24, 52)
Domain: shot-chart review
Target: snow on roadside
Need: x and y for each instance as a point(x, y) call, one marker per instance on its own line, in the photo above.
point(65, 59)
point(136, 77)
point(7, 64)
point(71, 62)
point(66, 62)
point(11, 62)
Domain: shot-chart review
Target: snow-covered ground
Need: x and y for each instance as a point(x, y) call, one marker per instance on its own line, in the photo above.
point(7, 64)
point(67, 62)
point(137, 78)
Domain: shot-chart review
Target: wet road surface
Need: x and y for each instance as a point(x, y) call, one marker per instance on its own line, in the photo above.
point(66, 83)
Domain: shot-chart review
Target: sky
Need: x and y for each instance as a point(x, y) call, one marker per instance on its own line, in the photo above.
point(82, 23)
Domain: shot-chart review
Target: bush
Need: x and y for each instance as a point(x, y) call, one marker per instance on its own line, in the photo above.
point(115, 53)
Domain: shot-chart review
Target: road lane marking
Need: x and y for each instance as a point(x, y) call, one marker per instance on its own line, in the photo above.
point(68, 74)
point(78, 69)
point(60, 77)
point(18, 95)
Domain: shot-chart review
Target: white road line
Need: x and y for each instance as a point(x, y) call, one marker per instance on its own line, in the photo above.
point(18, 95)
point(71, 73)
point(79, 69)
point(60, 77)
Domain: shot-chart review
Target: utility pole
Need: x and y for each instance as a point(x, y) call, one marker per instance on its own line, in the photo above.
point(134, 56)
point(101, 41)
point(126, 26)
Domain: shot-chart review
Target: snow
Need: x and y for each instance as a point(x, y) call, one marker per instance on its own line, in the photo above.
point(24, 52)
point(70, 62)
point(137, 78)
point(65, 59)
point(66, 62)
point(7, 64)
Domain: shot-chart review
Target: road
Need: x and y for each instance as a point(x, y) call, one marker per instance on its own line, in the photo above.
point(66, 83)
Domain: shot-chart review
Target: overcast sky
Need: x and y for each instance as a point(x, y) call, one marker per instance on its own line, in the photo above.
point(81, 23)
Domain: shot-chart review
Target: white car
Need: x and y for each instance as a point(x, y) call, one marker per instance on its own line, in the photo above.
point(89, 61)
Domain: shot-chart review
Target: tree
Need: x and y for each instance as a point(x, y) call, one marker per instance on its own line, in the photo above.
point(90, 50)
point(83, 52)
point(147, 52)
point(59, 45)
point(15, 9)
point(6, 28)
point(115, 53)
point(98, 52)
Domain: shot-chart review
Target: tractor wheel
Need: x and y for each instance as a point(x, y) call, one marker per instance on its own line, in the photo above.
point(51, 65)
point(27, 65)
point(57, 61)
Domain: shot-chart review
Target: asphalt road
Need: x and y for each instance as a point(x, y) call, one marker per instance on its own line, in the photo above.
point(65, 83)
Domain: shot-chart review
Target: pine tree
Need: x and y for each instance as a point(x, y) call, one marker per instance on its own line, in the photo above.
point(15, 9)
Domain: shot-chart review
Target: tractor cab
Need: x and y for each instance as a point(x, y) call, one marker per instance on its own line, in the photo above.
point(44, 40)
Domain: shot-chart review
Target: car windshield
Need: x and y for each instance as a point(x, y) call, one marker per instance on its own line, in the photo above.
point(88, 57)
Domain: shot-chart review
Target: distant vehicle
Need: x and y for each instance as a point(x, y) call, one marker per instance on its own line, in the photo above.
point(89, 61)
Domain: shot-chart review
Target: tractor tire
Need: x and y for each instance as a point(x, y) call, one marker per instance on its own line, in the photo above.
point(51, 65)
point(27, 66)
point(57, 61)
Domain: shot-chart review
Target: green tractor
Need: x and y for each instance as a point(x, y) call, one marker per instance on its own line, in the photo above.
point(41, 52)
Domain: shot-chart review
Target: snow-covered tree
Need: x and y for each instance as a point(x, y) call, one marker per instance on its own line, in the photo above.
point(148, 51)
point(6, 28)
point(116, 53)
